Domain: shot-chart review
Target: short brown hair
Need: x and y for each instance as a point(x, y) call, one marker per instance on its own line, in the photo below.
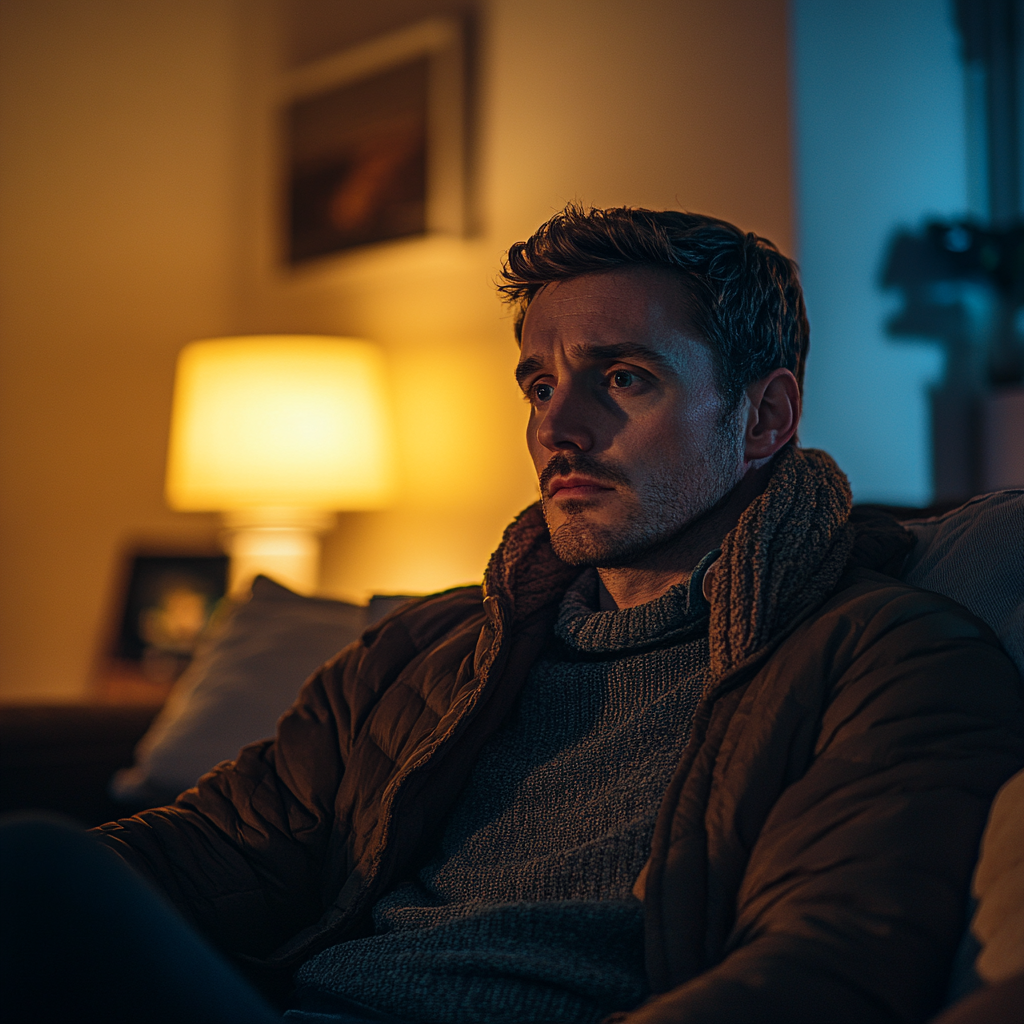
point(744, 296)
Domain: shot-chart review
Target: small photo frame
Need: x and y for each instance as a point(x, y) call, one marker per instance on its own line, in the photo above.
point(164, 603)
point(373, 143)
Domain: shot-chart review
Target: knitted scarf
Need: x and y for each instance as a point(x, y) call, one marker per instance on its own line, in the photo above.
point(783, 558)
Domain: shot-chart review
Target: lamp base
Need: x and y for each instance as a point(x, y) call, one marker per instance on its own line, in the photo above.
point(282, 543)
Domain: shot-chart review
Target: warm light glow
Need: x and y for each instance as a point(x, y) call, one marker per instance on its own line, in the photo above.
point(279, 420)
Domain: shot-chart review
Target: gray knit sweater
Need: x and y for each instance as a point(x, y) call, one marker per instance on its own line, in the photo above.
point(524, 913)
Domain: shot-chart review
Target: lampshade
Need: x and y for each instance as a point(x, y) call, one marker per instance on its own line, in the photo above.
point(292, 421)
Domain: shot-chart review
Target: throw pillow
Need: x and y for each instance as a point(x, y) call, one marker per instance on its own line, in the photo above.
point(975, 555)
point(245, 675)
point(999, 887)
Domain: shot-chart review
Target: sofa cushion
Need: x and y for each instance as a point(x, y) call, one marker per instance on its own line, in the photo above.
point(975, 555)
point(246, 673)
point(999, 887)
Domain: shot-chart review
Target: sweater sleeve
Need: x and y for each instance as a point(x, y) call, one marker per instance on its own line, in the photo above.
point(853, 897)
point(241, 854)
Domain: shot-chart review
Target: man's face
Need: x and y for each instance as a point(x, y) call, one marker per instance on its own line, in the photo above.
point(626, 429)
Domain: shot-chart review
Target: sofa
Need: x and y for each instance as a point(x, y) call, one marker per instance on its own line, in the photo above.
point(99, 763)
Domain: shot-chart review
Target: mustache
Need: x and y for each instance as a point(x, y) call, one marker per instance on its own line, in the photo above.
point(564, 464)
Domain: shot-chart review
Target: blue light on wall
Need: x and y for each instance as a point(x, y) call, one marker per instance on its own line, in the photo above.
point(881, 144)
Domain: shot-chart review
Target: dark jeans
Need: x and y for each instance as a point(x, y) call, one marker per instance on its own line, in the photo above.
point(82, 939)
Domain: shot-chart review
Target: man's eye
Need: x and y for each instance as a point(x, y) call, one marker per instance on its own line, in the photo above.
point(621, 379)
point(543, 392)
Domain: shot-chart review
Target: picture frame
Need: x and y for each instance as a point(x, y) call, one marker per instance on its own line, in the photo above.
point(372, 143)
point(162, 602)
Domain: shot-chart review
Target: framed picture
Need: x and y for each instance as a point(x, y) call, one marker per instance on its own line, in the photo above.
point(163, 604)
point(373, 142)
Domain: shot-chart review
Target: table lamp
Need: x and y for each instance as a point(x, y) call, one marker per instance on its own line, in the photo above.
point(277, 433)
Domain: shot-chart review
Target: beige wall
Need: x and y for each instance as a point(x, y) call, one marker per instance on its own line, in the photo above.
point(650, 102)
point(116, 228)
point(662, 103)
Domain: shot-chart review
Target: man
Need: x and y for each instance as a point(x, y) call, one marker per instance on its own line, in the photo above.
point(690, 754)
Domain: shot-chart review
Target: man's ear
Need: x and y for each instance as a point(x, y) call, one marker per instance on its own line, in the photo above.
point(773, 414)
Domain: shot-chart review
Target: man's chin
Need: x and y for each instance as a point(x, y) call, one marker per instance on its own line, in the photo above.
point(596, 551)
point(583, 539)
point(582, 542)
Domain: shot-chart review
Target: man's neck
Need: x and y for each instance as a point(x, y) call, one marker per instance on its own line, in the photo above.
point(657, 571)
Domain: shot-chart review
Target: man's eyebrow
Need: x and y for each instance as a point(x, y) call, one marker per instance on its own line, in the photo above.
point(526, 367)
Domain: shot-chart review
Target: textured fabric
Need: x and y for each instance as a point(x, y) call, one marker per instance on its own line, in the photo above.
point(811, 852)
point(999, 887)
point(785, 555)
point(246, 674)
point(975, 555)
point(995, 1004)
point(525, 912)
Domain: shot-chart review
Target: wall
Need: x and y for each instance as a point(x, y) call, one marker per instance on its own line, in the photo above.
point(654, 103)
point(125, 166)
point(116, 233)
point(879, 120)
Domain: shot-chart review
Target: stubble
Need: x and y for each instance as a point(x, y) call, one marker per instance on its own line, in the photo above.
point(652, 514)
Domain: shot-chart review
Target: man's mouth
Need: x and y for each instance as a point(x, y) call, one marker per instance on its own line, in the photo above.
point(577, 486)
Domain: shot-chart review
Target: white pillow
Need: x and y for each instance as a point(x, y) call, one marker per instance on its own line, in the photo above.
point(246, 674)
point(975, 555)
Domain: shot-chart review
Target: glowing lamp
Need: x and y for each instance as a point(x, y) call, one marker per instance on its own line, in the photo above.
point(278, 432)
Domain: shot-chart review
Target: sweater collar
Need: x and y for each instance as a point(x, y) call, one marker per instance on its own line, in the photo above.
point(784, 557)
point(680, 612)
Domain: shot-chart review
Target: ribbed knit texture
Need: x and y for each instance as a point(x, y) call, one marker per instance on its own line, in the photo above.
point(784, 556)
point(525, 914)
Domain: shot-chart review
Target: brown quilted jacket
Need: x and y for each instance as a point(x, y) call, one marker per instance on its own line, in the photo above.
point(812, 854)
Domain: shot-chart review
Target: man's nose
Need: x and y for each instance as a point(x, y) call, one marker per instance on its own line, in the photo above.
point(567, 420)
